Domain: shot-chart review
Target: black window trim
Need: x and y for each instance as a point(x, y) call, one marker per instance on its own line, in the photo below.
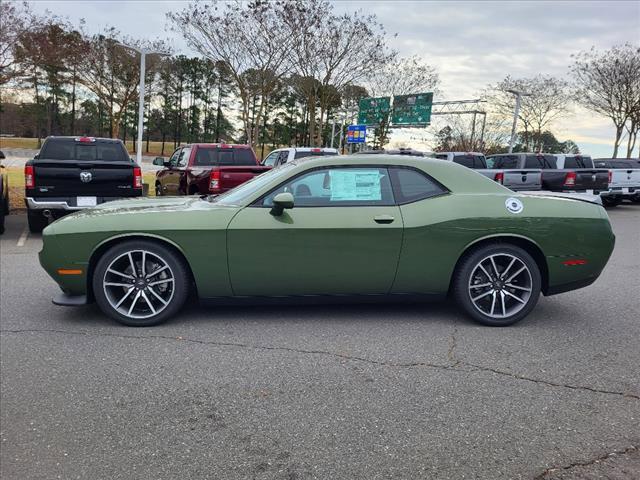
point(259, 200)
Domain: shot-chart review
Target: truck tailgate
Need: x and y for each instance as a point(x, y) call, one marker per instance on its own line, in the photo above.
point(591, 179)
point(621, 178)
point(232, 176)
point(522, 179)
point(58, 178)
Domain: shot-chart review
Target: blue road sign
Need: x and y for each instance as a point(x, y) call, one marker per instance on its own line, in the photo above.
point(356, 133)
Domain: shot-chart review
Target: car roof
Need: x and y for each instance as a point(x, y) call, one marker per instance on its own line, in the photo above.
point(213, 145)
point(456, 177)
point(459, 153)
point(78, 137)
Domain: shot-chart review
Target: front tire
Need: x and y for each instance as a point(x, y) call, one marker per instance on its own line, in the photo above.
point(497, 284)
point(140, 283)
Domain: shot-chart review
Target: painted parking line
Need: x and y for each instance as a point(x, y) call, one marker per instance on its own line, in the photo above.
point(23, 237)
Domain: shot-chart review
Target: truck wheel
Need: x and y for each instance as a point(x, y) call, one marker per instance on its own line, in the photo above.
point(37, 221)
point(497, 284)
point(158, 190)
point(140, 283)
point(610, 202)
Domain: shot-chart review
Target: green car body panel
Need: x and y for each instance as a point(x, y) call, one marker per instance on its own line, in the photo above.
point(242, 250)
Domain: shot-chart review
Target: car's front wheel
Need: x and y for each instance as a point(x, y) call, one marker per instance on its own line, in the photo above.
point(140, 283)
point(497, 284)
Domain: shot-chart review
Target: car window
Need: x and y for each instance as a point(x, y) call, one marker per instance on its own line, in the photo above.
point(213, 157)
point(533, 161)
point(270, 161)
point(441, 156)
point(183, 159)
point(70, 149)
point(506, 161)
point(577, 162)
point(491, 161)
point(479, 162)
point(410, 185)
point(337, 186)
point(604, 164)
point(174, 158)
point(466, 160)
point(284, 157)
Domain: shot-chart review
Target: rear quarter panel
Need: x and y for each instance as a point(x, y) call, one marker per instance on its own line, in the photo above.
point(439, 230)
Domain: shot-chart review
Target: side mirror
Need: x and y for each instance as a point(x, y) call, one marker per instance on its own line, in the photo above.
point(280, 202)
point(36, 156)
point(159, 161)
point(2, 157)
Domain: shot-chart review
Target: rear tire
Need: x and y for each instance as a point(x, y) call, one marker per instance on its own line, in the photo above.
point(497, 284)
point(127, 289)
point(158, 190)
point(611, 202)
point(37, 221)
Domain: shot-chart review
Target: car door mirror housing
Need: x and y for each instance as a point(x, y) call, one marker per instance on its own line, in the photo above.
point(280, 202)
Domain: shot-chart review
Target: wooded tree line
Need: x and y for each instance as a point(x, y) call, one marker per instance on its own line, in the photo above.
point(272, 73)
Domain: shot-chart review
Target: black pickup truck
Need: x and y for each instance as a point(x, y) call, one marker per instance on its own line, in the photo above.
point(72, 173)
point(573, 173)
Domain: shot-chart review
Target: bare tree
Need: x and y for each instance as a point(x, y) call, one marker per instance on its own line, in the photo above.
point(549, 100)
point(403, 76)
point(15, 19)
point(112, 72)
point(633, 128)
point(608, 83)
point(246, 37)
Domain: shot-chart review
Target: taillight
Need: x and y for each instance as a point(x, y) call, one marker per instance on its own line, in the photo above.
point(570, 179)
point(214, 181)
point(499, 177)
point(29, 177)
point(137, 177)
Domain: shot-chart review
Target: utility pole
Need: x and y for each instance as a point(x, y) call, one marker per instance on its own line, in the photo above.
point(143, 53)
point(519, 94)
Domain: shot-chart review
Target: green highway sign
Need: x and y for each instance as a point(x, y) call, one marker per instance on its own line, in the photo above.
point(412, 109)
point(372, 111)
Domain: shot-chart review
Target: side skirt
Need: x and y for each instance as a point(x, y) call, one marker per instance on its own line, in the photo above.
point(324, 299)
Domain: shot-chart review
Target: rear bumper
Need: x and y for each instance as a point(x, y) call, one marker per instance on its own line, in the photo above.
point(63, 203)
point(622, 192)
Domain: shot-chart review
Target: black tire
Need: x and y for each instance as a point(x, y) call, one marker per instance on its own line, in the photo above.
point(611, 202)
point(180, 291)
point(158, 190)
point(463, 284)
point(37, 221)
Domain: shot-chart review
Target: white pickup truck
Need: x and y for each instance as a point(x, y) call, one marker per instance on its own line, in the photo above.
point(624, 180)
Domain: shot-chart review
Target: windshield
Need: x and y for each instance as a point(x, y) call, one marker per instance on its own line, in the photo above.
point(241, 194)
point(207, 157)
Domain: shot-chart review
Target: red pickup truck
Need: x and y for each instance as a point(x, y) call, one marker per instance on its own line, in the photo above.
point(206, 168)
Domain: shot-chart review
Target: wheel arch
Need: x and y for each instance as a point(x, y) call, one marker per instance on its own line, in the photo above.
point(106, 244)
point(528, 245)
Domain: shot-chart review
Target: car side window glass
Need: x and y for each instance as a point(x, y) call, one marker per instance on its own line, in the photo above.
point(533, 161)
point(508, 161)
point(411, 185)
point(174, 158)
point(284, 156)
point(184, 157)
point(466, 160)
point(270, 161)
point(479, 162)
point(491, 162)
point(336, 187)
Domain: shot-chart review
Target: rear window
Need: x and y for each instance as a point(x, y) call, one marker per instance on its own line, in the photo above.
point(313, 154)
point(213, 157)
point(410, 185)
point(540, 161)
point(578, 162)
point(506, 161)
point(69, 149)
point(603, 164)
point(471, 161)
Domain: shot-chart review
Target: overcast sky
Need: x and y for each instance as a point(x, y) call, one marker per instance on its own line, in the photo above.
point(472, 43)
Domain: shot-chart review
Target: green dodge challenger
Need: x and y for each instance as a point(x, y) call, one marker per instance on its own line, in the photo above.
point(350, 227)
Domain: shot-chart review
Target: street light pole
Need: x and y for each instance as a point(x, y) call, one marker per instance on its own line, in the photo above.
point(519, 94)
point(143, 53)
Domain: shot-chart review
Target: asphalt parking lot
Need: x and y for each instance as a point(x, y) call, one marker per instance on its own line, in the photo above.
point(326, 392)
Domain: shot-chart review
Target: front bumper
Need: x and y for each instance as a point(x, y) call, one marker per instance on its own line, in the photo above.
point(66, 300)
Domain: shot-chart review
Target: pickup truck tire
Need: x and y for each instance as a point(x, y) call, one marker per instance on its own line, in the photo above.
point(158, 190)
point(140, 283)
point(37, 221)
point(611, 202)
point(497, 284)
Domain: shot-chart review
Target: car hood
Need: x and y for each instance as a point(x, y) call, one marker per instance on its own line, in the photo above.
point(147, 214)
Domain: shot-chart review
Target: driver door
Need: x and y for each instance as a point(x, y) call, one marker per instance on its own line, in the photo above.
point(342, 237)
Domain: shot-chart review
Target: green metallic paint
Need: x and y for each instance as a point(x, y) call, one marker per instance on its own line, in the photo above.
point(244, 250)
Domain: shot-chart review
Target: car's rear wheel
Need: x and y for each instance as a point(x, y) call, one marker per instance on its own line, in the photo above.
point(37, 221)
point(158, 190)
point(140, 283)
point(497, 284)
point(611, 202)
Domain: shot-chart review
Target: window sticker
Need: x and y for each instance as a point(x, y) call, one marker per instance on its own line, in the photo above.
point(355, 185)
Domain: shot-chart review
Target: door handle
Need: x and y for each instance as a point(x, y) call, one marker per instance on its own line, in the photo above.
point(383, 219)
